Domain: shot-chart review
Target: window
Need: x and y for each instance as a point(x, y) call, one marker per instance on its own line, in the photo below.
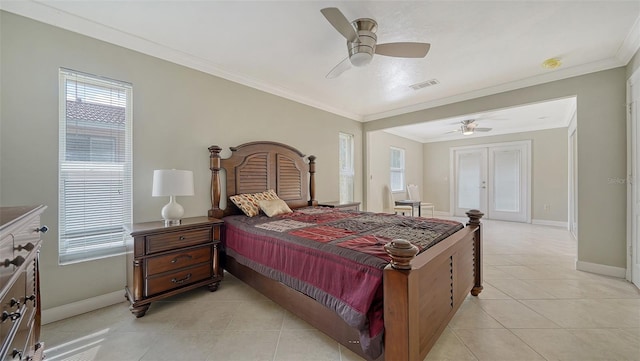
point(347, 172)
point(397, 169)
point(95, 166)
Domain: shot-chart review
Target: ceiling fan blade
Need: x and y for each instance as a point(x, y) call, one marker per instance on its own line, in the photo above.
point(339, 69)
point(482, 129)
point(340, 23)
point(452, 131)
point(404, 50)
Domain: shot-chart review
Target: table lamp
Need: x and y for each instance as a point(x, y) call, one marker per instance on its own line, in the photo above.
point(172, 183)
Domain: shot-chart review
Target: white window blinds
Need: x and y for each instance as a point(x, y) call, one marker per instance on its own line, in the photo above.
point(95, 166)
point(347, 172)
point(397, 169)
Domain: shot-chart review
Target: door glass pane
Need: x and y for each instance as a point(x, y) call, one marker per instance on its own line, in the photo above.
point(506, 165)
point(469, 174)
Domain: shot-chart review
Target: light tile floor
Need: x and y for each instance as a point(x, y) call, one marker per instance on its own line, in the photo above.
point(535, 306)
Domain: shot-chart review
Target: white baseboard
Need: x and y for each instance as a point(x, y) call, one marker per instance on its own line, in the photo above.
point(544, 222)
point(76, 308)
point(601, 269)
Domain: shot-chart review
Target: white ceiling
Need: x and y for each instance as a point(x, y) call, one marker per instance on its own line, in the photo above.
point(287, 47)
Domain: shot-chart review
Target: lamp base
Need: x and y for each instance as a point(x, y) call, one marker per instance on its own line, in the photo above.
point(172, 222)
point(172, 212)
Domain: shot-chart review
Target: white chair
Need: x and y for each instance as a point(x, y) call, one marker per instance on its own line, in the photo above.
point(414, 195)
point(392, 204)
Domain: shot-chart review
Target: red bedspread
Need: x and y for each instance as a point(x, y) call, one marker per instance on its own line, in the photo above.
point(333, 256)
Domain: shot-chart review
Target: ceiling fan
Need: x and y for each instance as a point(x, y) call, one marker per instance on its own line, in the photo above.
point(361, 42)
point(468, 127)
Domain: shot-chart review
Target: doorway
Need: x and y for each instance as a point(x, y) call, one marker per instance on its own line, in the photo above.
point(494, 178)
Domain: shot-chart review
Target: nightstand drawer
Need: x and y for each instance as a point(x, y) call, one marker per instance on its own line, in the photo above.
point(179, 239)
point(173, 280)
point(177, 260)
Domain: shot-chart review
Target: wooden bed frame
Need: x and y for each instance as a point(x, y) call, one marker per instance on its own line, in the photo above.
point(419, 302)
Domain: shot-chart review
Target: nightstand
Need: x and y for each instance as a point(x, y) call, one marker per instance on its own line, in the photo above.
point(347, 206)
point(165, 261)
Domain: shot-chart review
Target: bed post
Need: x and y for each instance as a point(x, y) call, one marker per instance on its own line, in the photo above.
point(312, 181)
point(214, 165)
point(474, 221)
point(400, 302)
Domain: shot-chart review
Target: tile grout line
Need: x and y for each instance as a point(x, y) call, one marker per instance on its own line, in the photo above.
point(275, 352)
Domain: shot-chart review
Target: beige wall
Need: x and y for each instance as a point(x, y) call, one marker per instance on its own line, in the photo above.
point(178, 113)
point(634, 64)
point(601, 126)
point(379, 177)
point(549, 175)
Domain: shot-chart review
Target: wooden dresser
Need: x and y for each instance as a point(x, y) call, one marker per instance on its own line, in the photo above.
point(163, 261)
point(19, 276)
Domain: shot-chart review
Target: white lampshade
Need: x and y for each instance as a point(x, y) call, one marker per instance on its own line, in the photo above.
point(172, 182)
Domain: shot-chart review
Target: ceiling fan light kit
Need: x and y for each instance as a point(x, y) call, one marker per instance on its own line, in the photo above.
point(361, 51)
point(362, 42)
point(466, 130)
point(469, 127)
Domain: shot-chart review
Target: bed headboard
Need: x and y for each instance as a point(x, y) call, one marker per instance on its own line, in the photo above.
point(259, 166)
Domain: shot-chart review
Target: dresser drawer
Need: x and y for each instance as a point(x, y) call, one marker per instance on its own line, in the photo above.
point(178, 239)
point(26, 239)
point(161, 283)
point(177, 260)
point(6, 255)
point(12, 304)
point(19, 348)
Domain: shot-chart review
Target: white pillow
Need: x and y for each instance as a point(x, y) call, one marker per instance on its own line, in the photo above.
point(274, 207)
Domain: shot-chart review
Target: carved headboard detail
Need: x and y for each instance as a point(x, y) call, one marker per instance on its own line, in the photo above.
point(259, 166)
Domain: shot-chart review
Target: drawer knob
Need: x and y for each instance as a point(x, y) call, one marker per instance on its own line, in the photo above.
point(28, 247)
point(30, 298)
point(16, 261)
point(42, 229)
point(175, 259)
point(16, 354)
point(13, 316)
point(14, 303)
point(182, 238)
point(181, 280)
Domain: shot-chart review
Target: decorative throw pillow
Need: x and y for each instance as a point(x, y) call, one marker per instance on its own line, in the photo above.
point(248, 203)
point(274, 207)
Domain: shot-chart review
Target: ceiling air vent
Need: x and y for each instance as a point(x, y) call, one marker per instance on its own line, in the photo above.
point(424, 84)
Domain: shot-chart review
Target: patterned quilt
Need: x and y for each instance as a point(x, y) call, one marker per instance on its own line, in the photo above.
point(336, 257)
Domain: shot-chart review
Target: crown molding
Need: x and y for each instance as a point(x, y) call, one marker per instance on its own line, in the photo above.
point(44, 13)
point(631, 44)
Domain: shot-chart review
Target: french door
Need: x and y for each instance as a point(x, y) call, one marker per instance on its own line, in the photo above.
point(493, 178)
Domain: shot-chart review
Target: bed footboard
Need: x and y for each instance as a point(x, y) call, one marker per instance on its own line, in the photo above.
point(420, 301)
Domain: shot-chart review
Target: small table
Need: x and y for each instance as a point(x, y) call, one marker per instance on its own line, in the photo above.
point(412, 203)
point(352, 206)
